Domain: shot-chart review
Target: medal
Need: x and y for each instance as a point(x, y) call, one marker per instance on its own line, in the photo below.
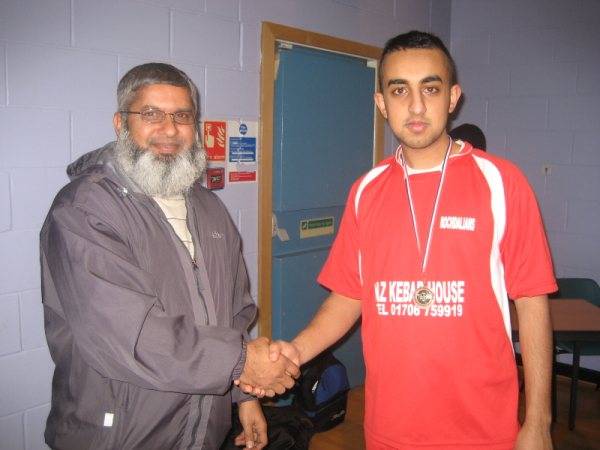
point(424, 297)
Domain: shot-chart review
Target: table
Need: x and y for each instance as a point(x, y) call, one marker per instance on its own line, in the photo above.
point(575, 321)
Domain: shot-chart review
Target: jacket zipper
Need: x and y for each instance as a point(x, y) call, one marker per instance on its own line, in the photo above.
point(196, 410)
point(181, 245)
point(193, 234)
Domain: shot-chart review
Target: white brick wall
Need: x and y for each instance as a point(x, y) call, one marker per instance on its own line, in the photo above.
point(44, 22)
point(2, 74)
point(10, 341)
point(540, 146)
point(535, 65)
point(32, 320)
point(4, 201)
point(134, 28)
point(56, 77)
point(231, 91)
point(35, 424)
point(204, 39)
point(86, 132)
point(585, 148)
point(47, 147)
point(60, 62)
point(225, 8)
point(19, 260)
point(34, 188)
point(11, 431)
point(25, 380)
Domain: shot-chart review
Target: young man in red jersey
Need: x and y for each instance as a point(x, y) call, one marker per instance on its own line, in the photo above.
point(433, 242)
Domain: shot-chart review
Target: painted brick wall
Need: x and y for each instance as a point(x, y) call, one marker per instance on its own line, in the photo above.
point(528, 69)
point(60, 61)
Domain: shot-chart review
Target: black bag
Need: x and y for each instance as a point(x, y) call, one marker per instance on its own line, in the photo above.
point(287, 429)
point(322, 393)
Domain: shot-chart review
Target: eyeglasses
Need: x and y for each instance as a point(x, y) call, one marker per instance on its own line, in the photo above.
point(158, 116)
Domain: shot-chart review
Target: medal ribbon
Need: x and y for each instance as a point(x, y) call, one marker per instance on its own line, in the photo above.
point(435, 205)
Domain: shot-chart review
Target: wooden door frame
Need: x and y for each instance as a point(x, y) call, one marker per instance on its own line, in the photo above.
point(271, 33)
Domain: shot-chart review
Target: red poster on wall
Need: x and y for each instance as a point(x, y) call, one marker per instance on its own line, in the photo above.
point(215, 139)
point(242, 176)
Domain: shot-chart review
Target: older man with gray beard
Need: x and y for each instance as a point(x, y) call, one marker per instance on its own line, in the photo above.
point(145, 289)
point(163, 175)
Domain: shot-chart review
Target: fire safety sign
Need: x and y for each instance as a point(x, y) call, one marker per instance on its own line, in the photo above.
point(215, 140)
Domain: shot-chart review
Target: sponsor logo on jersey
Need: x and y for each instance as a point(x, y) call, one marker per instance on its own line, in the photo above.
point(457, 223)
point(403, 291)
point(396, 298)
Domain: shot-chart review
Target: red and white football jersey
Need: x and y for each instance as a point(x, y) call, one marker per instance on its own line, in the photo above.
point(443, 376)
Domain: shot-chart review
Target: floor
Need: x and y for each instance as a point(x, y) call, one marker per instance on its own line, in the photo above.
point(586, 436)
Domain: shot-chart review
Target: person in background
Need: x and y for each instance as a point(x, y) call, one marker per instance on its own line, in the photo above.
point(470, 133)
point(433, 242)
point(145, 290)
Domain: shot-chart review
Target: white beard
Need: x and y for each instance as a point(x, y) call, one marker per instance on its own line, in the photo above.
point(159, 176)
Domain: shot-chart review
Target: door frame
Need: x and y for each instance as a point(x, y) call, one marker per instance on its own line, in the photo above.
point(271, 33)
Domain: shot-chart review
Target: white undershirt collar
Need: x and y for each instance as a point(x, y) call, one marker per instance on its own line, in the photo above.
point(438, 168)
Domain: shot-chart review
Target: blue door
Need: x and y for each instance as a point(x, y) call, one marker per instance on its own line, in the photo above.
point(323, 140)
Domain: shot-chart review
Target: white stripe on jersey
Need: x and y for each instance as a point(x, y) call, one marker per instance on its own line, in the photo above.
point(360, 267)
point(370, 176)
point(498, 205)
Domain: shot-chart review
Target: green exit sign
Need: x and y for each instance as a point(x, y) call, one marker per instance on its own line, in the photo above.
point(322, 226)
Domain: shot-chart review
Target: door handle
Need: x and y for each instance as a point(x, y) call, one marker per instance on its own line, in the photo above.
point(281, 233)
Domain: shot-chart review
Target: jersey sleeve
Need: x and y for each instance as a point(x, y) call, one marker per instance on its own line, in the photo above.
point(341, 272)
point(525, 251)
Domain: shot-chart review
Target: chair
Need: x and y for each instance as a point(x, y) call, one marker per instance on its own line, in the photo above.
point(589, 290)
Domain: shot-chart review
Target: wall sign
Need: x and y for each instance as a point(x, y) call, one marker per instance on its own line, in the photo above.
point(316, 227)
point(215, 140)
point(242, 151)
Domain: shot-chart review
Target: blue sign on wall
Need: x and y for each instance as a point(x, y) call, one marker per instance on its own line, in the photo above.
point(242, 149)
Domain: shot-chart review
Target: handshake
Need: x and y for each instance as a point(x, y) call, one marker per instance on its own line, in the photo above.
point(271, 367)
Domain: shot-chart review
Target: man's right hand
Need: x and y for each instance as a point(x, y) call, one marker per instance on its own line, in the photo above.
point(287, 349)
point(261, 375)
point(276, 349)
point(333, 320)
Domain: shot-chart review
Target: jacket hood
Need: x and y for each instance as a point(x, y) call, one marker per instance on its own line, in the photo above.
point(102, 162)
point(102, 156)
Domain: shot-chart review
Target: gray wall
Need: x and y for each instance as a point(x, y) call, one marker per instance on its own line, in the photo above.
point(530, 71)
point(60, 61)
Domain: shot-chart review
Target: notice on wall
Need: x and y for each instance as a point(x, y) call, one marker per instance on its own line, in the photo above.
point(215, 140)
point(242, 150)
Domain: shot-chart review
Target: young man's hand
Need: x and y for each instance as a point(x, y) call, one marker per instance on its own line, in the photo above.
point(287, 349)
point(534, 438)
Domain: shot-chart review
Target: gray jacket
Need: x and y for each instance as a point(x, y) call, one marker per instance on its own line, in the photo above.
point(146, 340)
